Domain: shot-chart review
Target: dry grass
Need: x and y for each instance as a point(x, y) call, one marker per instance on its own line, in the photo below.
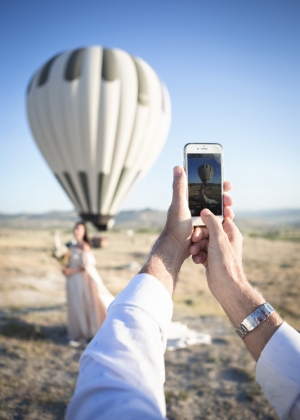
point(39, 370)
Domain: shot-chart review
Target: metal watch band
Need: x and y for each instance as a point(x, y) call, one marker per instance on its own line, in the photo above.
point(253, 320)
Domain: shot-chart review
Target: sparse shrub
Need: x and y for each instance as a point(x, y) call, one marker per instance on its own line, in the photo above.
point(183, 395)
point(168, 396)
point(281, 235)
point(224, 358)
point(253, 391)
point(212, 357)
point(285, 265)
point(190, 302)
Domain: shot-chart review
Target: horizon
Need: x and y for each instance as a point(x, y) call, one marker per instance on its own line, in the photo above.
point(266, 210)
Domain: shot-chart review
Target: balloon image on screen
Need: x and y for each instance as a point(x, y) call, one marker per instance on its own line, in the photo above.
point(205, 173)
point(100, 117)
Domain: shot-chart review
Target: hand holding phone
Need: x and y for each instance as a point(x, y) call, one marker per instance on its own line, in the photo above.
point(204, 168)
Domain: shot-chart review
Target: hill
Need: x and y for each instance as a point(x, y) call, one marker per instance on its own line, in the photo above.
point(271, 218)
point(130, 219)
point(151, 219)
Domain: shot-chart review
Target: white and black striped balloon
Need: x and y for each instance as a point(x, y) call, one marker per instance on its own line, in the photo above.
point(100, 117)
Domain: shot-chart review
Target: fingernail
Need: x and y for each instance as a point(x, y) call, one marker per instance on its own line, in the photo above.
point(177, 171)
point(205, 212)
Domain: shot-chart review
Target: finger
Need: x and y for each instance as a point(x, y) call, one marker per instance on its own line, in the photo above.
point(227, 200)
point(212, 223)
point(228, 212)
point(200, 258)
point(199, 246)
point(179, 200)
point(199, 234)
point(227, 186)
point(232, 232)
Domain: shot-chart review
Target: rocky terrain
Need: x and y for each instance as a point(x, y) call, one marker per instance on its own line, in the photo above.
point(38, 370)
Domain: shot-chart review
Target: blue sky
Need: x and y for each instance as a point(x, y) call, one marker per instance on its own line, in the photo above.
point(232, 69)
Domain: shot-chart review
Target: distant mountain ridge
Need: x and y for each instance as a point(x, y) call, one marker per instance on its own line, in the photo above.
point(131, 219)
point(269, 218)
point(38, 221)
point(146, 219)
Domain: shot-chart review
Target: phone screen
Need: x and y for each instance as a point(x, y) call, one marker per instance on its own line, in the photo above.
point(205, 183)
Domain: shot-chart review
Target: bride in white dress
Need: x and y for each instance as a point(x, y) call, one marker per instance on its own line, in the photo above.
point(87, 296)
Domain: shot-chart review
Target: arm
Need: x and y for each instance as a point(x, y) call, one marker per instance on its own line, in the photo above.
point(219, 248)
point(278, 372)
point(67, 271)
point(172, 247)
point(276, 347)
point(122, 370)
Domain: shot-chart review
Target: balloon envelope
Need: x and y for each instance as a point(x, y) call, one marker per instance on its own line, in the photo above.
point(205, 173)
point(100, 117)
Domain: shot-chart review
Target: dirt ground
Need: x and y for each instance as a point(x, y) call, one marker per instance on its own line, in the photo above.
point(212, 191)
point(38, 370)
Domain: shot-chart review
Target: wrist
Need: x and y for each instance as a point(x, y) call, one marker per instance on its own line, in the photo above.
point(165, 260)
point(237, 297)
point(172, 249)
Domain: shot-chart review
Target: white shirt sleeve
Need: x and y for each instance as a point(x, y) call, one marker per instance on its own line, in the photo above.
point(122, 370)
point(278, 372)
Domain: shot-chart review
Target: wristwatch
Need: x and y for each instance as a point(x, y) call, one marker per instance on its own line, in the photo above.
point(253, 320)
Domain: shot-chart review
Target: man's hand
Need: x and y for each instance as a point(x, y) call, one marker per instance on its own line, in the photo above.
point(178, 228)
point(219, 248)
point(173, 245)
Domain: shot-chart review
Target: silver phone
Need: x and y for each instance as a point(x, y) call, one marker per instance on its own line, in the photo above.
point(203, 164)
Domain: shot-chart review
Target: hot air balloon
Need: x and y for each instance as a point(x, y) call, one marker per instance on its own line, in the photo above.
point(205, 173)
point(100, 117)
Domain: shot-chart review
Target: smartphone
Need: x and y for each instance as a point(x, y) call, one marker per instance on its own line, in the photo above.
point(203, 163)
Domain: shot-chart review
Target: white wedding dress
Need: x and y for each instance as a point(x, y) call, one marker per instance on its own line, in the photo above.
point(87, 296)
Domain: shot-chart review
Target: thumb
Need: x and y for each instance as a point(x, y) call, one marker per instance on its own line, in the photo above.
point(212, 223)
point(179, 199)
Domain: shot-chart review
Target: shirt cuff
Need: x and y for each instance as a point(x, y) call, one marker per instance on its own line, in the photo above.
point(278, 369)
point(147, 293)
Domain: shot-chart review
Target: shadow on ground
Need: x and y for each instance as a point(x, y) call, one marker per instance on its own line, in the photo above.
point(17, 328)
